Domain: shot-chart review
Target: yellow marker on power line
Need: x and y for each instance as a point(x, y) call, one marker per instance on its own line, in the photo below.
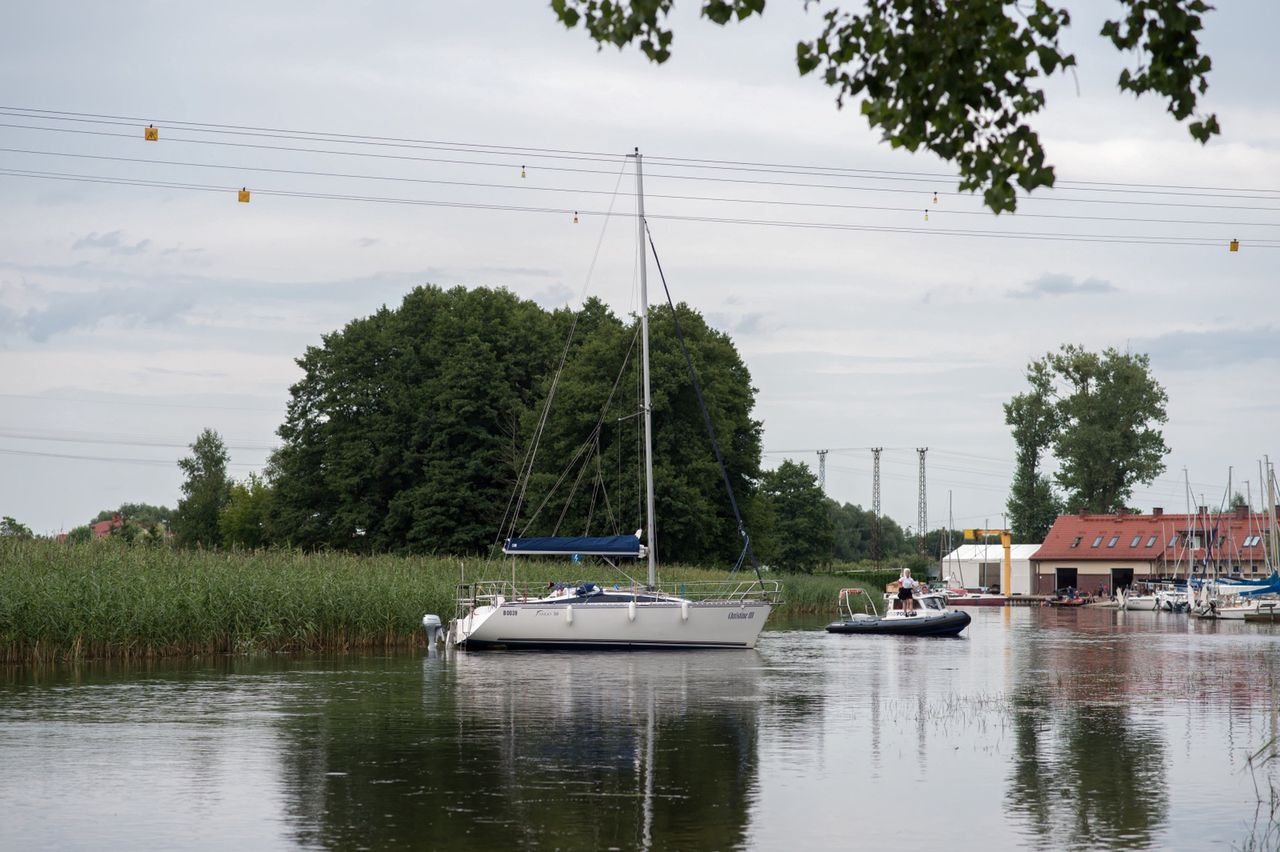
point(151, 133)
point(522, 174)
point(1235, 245)
point(244, 195)
point(575, 217)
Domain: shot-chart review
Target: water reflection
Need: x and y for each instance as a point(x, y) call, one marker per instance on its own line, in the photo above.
point(631, 750)
point(1086, 777)
point(1043, 729)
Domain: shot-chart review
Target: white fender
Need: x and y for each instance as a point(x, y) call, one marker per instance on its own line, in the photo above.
point(631, 610)
point(684, 610)
point(568, 614)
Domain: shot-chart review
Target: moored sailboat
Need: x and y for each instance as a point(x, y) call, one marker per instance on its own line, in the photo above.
point(630, 615)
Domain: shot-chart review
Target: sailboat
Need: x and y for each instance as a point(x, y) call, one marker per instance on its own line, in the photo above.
point(717, 615)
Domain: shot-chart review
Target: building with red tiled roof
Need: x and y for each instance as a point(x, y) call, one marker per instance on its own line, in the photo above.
point(102, 529)
point(1114, 551)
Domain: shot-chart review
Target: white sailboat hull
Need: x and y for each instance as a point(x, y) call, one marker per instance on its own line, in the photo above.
point(671, 623)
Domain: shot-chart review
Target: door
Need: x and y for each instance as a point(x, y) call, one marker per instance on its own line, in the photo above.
point(1068, 577)
point(1121, 578)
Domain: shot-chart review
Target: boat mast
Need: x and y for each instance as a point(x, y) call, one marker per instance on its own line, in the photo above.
point(650, 520)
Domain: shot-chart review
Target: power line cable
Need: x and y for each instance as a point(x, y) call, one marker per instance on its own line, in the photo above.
point(115, 459)
point(1133, 239)
point(574, 170)
point(577, 191)
point(134, 402)
point(510, 150)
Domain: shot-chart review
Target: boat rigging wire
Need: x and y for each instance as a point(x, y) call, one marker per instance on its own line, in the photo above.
point(706, 415)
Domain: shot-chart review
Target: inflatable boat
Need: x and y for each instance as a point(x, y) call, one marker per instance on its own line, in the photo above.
point(929, 617)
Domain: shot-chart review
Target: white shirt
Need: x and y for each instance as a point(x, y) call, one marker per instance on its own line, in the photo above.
point(907, 583)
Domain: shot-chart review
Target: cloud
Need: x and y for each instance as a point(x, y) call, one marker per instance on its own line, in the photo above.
point(1061, 285)
point(520, 271)
point(747, 324)
point(555, 296)
point(366, 242)
point(1212, 349)
point(67, 311)
point(112, 241)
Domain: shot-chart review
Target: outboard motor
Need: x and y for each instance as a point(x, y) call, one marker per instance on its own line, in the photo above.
point(435, 632)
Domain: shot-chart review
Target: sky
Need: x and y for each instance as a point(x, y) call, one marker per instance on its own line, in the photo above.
point(133, 316)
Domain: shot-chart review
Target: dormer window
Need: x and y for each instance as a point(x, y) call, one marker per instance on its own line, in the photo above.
point(1151, 542)
point(1097, 541)
point(1137, 538)
point(1076, 541)
point(1112, 542)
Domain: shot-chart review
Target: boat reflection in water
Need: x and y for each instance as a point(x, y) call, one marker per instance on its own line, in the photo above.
point(581, 750)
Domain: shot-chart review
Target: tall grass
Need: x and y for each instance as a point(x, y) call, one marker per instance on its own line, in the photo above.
point(104, 599)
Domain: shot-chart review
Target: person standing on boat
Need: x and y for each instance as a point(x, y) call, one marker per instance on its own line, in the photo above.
point(906, 591)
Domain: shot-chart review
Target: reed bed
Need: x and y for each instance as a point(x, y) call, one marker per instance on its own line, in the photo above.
point(104, 599)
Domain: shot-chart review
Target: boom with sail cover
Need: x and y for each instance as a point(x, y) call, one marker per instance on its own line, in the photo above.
point(608, 545)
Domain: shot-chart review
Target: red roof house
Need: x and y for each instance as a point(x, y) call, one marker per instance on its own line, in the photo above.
point(1091, 551)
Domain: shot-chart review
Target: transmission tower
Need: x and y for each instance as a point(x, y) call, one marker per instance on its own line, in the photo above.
point(822, 470)
point(922, 520)
point(875, 504)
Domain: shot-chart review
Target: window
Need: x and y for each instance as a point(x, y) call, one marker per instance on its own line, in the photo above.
point(1252, 541)
point(1097, 541)
point(1151, 542)
point(1076, 541)
point(1137, 538)
point(1173, 540)
point(1112, 542)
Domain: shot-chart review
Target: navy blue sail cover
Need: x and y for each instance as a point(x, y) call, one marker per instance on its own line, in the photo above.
point(609, 545)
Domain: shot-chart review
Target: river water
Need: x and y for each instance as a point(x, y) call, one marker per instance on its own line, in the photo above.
point(1038, 728)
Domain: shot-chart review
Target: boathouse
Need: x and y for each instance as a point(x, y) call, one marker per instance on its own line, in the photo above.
point(1092, 552)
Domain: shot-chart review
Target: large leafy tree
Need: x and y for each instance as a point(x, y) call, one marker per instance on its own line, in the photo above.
point(401, 433)
point(1102, 412)
point(1033, 506)
point(802, 535)
point(956, 78)
point(204, 492)
point(415, 429)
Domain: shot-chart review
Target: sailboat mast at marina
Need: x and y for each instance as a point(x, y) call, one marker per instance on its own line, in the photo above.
point(590, 615)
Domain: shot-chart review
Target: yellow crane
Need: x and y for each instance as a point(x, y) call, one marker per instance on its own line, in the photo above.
point(1006, 540)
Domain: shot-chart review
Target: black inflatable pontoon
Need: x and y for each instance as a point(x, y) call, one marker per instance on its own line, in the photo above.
point(931, 618)
point(919, 625)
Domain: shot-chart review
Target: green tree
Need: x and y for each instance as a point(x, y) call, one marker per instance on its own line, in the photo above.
point(802, 536)
point(1033, 506)
point(1110, 405)
point(415, 425)
point(244, 521)
point(405, 422)
point(205, 491)
point(1105, 411)
point(10, 528)
point(143, 513)
point(80, 534)
point(957, 79)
